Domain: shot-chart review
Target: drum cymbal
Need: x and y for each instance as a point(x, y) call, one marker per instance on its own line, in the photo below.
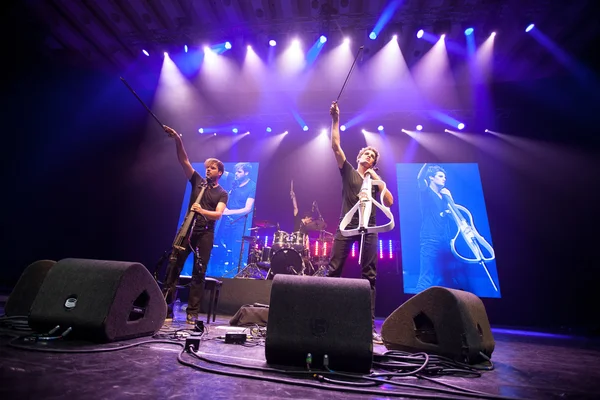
point(264, 224)
point(316, 225)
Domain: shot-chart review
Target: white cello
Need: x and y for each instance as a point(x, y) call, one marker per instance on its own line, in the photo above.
point(364, 206)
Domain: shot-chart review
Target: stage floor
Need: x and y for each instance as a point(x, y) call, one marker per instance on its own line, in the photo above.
point(526, 366)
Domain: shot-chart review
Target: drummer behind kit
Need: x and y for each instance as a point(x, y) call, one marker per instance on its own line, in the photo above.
point(290, 253)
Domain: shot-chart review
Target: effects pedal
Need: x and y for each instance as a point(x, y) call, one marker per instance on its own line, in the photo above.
point(235, 338)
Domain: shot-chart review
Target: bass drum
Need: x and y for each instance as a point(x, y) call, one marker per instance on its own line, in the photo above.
point(288, 262)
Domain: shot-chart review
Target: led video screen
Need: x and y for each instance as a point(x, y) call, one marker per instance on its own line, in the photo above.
point(444, 229)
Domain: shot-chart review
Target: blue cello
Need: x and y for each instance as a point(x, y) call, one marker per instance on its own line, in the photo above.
point(475, 242)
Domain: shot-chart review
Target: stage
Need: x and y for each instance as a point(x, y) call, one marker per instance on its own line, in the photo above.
point(527, 365)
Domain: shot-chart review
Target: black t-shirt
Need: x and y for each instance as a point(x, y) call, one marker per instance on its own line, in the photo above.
point(351, 184)
point(211, 198)
point(298, 225)
point(240, 194)
point(434, 226)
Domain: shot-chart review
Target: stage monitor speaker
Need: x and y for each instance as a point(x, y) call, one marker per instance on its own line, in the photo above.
point(321, 316)
point(102, 301)
point(448, 322)
point(22, 296)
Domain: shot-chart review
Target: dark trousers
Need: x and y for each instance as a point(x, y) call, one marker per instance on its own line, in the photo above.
point(439, 267)
point(368, 266)
point(201, 243)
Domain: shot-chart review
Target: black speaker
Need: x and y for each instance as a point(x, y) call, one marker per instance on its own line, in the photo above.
point(321, 316)
point(101, 301)
point(23, 294)
point(448, 322)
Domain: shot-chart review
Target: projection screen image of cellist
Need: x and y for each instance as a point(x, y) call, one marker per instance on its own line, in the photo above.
point(445, 234)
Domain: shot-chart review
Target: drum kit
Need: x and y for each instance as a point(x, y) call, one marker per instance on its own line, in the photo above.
point(292, 253)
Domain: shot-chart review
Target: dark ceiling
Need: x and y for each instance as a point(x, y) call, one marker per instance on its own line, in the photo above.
point(112, 33)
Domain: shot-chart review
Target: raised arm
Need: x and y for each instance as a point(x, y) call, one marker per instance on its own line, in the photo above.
point(340, 157)
point(421, 178)
point(294, 202)
point(188, 170)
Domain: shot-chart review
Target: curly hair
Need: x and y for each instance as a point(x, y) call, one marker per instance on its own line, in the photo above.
point(373, 149)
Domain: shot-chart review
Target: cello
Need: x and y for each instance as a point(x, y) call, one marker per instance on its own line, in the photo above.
point(475, 242)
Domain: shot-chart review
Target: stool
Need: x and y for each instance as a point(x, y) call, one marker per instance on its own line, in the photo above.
point(214, 285)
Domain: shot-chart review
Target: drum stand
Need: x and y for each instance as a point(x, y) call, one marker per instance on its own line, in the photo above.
point(252, 270)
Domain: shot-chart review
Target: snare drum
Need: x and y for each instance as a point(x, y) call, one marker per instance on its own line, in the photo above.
point(281, 240)
point(288, 262)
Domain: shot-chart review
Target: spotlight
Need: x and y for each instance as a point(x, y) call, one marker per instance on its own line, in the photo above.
point(248, 47)
point(419, 127)
point(468, 31)
point(305, 128)
point(380, 128)
point(493, 34)
point(343, 128)
point(227, 45)
point(529, 27)
point(166, 54)
point(322, 39)
point(268, 129)
point(446, 130)
point(347, 40)
point(363, 131)
point(215, 134)
point(272, 43)
point(146, 53)
point(420, 33)
point(487, 130)
point(404, 130)
point(372, 36)
point(185, 48)
point(443, 37)
point(461, 126)
point(235, 130)
point(201, 130)
point(395, 37)
point(285, 133)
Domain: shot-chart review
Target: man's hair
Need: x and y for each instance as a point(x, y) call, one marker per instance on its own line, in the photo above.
point(307, 214)
point(212, 161)
point(244, 166)
point(432, 170)
point(373, 149)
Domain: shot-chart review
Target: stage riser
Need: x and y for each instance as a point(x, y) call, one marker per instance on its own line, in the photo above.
point(237, 292)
